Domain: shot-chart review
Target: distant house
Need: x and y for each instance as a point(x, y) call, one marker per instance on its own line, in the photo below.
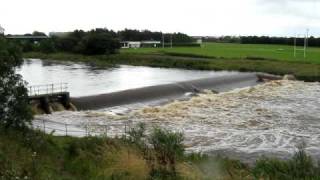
point(130, 44)
point(139, 44)
point(1, 30)
point(150, 43)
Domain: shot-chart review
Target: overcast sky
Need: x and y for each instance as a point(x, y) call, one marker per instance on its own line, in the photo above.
point(194, 17)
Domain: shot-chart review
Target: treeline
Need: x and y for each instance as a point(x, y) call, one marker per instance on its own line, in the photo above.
point(136, 35)
point(97, 41)
point(312, 41)
point(222, 39)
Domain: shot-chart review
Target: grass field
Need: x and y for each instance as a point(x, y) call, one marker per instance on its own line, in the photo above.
point(237, 51)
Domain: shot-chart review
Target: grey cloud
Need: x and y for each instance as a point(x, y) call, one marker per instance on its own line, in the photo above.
point(307, 9)
point(286, 1)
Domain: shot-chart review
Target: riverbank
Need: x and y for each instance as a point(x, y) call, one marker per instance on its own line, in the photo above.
point(302, 70)
point(34, 155)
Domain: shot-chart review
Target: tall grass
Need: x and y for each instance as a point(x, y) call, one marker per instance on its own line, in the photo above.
point(34, 155)
point(301, 166)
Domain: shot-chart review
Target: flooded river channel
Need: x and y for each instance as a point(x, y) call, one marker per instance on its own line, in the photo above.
point(270, 119)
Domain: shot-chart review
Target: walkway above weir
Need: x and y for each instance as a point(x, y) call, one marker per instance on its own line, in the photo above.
point(47, 90)
point(43, 95)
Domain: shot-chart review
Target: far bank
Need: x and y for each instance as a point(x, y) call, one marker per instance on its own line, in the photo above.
point(302, 70)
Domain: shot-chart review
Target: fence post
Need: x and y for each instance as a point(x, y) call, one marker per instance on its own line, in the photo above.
point(125, 131)
point(106, 130)
point(44, 126)
point(66, 125)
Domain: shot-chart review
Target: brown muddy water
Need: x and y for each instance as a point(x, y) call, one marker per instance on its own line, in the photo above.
point(270, 119)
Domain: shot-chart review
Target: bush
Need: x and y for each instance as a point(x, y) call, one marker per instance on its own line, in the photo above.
point(137, 135)
point(168, 148)
point(95, 43)
point(300, 166)
point(47, 46)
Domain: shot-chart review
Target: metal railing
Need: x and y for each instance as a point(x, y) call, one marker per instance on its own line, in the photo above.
point(47, 89)
point(78, 130)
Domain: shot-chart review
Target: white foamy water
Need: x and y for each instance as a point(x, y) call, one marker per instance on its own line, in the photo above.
point(269, 119)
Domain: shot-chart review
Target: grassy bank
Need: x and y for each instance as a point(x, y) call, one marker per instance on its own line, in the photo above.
point(302, 70)
point(33, 155)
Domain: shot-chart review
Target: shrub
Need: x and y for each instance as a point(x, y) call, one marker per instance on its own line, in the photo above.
point(300, 166)
point(47, 46)
point(137, 135)
point(168, 148)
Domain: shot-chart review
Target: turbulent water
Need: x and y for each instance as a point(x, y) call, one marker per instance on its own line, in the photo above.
point(269, 119)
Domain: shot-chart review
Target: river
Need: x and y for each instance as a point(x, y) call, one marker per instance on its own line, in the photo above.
point(84, 79)
point(270, 119)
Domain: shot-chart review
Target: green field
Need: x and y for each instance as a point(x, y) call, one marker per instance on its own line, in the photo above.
point(237, 51)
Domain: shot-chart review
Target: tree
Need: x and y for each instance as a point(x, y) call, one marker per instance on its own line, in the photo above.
point(47, 46)
point(14, 108)
point(94, 42)
point(37, 33)
point(98, 42)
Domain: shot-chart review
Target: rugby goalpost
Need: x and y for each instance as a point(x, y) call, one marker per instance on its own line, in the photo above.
point(305, 44)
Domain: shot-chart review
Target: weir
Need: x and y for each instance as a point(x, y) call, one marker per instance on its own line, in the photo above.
point(166, 91)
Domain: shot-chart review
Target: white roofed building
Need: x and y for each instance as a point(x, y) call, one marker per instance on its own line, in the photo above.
point(150, 43)
point(130, 44)
point(139, 44)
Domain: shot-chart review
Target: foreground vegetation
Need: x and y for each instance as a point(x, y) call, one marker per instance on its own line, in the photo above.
point(301, 69)
point(34, 155)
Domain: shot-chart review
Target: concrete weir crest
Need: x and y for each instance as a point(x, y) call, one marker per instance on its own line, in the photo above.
point(165, 91)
